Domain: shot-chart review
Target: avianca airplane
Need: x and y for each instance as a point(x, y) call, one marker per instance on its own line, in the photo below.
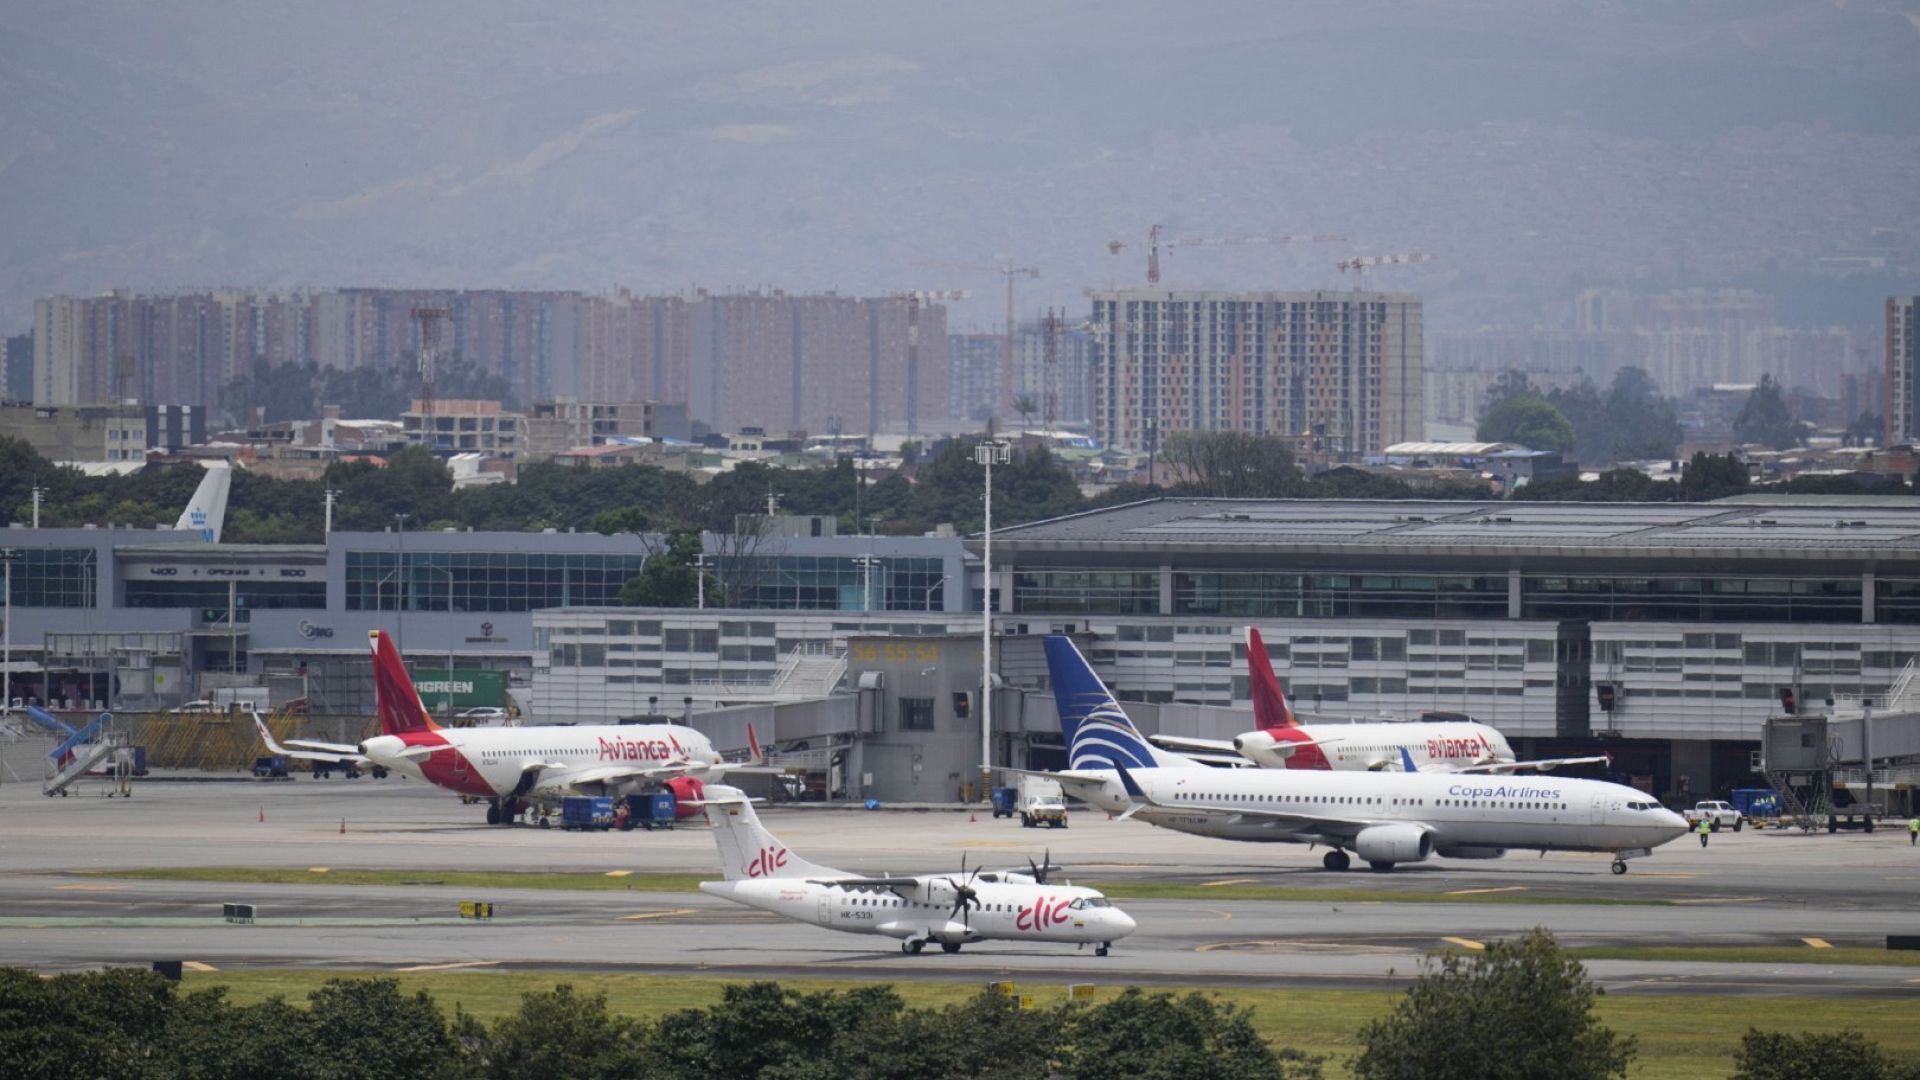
point(1386, 818)
point(509, 766)
point(950, 909)
point(1283, 742)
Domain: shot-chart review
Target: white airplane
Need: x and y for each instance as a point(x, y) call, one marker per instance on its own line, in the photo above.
point(1281, 741)
point(1386, 818)
point(950, 909)
point(206, 512)
point(309, 750)
point(509, 766)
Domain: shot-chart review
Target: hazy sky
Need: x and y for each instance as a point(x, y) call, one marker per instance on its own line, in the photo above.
point(1532, 146)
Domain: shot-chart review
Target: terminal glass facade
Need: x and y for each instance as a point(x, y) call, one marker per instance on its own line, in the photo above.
point(1382, 595)
point(1083, 591)
point(485, 581)
point(1693, 599)
point(255, 595)
point(829, 582)
point(55, 578)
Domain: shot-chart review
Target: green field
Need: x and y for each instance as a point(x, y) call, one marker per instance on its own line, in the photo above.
point(1681, 1038)
point(1118, 890)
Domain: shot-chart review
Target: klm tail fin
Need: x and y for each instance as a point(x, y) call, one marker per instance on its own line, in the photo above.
point(394, 696)
point(747, 849)
point(206, 512)
point(1099, 734)
point(1270, 708)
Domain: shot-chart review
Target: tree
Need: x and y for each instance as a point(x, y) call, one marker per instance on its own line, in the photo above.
point(1712, 476)
point(1232, 465)
point(558, 1033)
point(671, 576)
point(1765, 418)
point(1866, 429)
point(1140, 1036)
point(1512, 383)
point(1026, 407)
point(368, 1028)
point(1527, 421)
point(1614, 485)
point(1776, 1055)
point(1518, 1011)
point(1642, 423)
point(1585, 408)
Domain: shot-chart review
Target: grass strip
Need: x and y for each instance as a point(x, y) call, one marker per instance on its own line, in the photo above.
point(1680, 1038)
point(1749, 954)
point(599, 881)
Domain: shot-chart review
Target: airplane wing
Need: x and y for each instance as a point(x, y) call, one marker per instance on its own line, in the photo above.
point(1542, 765)
point(1181, 742)
point(1291, 821)
point(334, 752)
point(890, 884)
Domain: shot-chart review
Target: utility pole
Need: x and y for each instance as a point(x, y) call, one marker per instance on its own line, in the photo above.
point(987, 455)
point(6, 635)
point(38, 491)
point(330, 496)
point(400, 585)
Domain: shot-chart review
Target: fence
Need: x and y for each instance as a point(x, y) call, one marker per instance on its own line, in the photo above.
point(218, 741)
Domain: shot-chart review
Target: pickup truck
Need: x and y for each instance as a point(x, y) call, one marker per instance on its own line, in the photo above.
point(1717, 814)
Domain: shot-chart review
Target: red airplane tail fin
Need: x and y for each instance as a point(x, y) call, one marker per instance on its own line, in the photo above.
point(758, 756)
point(394, 695)
point(1270, 708)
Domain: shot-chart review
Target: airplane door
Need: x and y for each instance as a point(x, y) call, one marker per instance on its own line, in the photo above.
point(825, 913)
point(1599, 810)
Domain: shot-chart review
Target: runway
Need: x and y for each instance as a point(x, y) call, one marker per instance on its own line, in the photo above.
point(1745, 889)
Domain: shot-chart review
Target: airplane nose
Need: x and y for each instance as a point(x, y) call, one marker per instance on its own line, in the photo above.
point(1123, 923)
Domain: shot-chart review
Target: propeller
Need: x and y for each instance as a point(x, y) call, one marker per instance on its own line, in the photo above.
point(1040, 872)
point(965, 899)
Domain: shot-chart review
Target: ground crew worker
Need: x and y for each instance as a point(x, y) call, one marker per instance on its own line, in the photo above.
point(1913, 830)
point(1705, 828)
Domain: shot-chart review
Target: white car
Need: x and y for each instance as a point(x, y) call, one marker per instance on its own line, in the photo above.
point(482, 715)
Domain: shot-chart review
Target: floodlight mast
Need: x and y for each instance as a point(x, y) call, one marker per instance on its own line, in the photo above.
point(987, 455)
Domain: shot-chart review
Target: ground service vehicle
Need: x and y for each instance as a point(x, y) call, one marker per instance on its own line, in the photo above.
point(1717, 814)
point(1042, 803)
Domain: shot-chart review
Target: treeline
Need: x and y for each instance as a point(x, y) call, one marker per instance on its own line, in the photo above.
point(1521, 1010)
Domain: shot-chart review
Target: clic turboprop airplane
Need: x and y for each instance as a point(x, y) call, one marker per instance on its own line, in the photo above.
point(1386, 818)
point(950, 909)
point(1281, 741)
point(509, 766)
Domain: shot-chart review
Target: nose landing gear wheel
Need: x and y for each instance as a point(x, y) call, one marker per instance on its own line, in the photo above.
point(1335, 860)
point(1619, 867)
point(950, 946)
point(913, 947)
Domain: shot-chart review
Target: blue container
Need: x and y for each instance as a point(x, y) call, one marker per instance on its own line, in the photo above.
point(586, 812)
point(1004, 801)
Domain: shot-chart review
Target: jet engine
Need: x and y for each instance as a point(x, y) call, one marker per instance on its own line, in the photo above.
point(1263, 749)
point(1384, 845)
point(687, 791)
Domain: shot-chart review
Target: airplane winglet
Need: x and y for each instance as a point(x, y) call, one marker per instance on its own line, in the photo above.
point(1134, 793)
point(1406, 761)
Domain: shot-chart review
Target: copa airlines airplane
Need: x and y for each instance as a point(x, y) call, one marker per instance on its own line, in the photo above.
point(508, 766)
point(953, 910)
point(1281, 741)
point(1386, 818)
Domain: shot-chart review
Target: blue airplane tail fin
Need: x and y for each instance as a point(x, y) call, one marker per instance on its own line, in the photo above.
point(1099, 734)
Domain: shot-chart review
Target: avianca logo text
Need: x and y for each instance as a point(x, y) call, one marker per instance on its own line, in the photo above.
point(1457, 748)
point(767, 861)
point(636, 750)
point(1046, 911)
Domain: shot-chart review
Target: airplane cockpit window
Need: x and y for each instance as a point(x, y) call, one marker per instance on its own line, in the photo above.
point(1086, 902)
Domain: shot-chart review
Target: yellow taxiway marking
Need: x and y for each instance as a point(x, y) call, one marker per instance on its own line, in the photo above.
point(318, 869)
point(450, 967)
point(197, 965)
point(1465, 943)
point(89, 887)
point(618, 873)
point(1503, 888)
point(660, 914)
point(1816, 943)
point(1230, 881)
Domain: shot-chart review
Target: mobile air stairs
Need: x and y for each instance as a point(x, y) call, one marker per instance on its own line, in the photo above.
point(101, 747)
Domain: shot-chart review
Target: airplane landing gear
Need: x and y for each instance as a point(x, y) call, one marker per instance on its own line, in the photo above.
point(1336, 860)
point(493, 813)
point(912, 947)
point(1381, 867)
point(1101, 949)
point(950, 946)
point(1619, 867)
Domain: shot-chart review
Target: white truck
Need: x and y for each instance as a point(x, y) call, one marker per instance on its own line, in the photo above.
point(1717, 814)
point(1041, 802)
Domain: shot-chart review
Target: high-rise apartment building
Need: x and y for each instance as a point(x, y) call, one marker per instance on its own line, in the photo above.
point(1342, 366)
point(1903, 369)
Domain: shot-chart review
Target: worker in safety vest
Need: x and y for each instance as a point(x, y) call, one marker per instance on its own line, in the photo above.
point(1706, 827)
point(1913, 830)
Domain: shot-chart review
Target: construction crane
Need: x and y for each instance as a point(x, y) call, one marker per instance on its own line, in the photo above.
point(429, 319)
point(914, 298)
point(1011, 273)
point(1155, 243)
point(1359, 265)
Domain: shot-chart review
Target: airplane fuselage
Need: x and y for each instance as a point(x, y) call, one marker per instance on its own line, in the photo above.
point(1373, 746)
point(491, 763)
point(1469, 815)
point(1007, 911)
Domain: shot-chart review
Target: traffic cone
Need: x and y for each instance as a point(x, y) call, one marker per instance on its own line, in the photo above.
point(971, 817)
point(343, 826)
point(263, 813)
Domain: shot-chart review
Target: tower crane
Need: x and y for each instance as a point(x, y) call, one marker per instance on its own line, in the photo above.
point(1011, 273)
point(1359, 265)
point(1155, 242)
point(915, 298)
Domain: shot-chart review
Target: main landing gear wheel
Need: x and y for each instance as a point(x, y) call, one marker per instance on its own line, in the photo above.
point(493, 813)
point(1619, 866)
point(950, 946)
point(1335, 860)
point(912, 946)
point(1101, 949)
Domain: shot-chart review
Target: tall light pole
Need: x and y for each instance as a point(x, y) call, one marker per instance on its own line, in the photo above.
point(6, 629)
point(987, 455)
point(866, 563)
point(450, 633)
point(400, 583)
point(329, 496)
